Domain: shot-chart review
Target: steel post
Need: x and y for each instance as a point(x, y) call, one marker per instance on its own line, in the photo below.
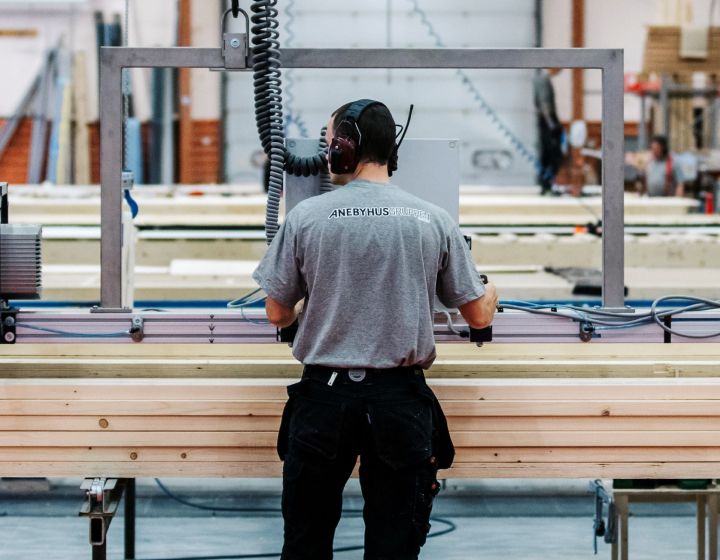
point(130, 519)
point(610, 61)
point(99, 551)
point(111, 154)
point(613, 178)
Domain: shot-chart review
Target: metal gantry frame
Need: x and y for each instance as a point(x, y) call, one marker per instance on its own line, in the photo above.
point(609, 61)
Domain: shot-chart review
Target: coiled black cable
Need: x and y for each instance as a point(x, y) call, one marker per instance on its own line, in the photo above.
point(267, 84)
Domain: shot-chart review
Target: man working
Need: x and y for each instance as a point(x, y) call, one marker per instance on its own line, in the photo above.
point(661, 177)
point(549, 128)
point(368, 259)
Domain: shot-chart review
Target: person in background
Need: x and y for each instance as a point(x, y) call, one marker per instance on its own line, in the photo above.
point(549, 128)
point(661, 176)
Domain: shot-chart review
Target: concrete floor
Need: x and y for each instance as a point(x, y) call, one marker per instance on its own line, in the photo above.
point(493, 522)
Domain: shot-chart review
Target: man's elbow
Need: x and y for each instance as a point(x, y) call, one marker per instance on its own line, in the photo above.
point(280, 319)
point(479, 313)
point(480, 320)
point(278, 314)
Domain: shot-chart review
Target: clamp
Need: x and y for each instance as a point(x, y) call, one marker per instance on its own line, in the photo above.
point(235, 47)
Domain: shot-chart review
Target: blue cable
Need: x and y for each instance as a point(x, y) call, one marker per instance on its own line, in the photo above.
point(134, 208)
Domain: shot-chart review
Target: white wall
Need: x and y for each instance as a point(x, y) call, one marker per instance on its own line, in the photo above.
point(443, 106)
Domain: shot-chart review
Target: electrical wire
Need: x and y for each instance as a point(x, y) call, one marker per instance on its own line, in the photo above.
point(711, 304)
point(593, 319)
point(450, 526)
point(267, 82)
point(73, 334)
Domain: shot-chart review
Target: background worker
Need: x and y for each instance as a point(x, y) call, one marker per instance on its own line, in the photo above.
point(550, 131)
point(661, 176)
point(368, 259)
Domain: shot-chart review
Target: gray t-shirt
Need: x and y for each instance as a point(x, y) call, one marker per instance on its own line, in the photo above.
point(656, 174)
point(369, 258)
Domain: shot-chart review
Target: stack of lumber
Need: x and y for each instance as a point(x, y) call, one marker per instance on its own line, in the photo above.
point(514, 411)
point(662, 52)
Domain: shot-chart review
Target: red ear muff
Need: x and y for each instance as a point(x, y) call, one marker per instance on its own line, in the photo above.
point(343, 155)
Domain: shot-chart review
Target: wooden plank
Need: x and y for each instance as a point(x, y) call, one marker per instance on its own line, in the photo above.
point(576, 424)
point(138, 439)
point(499, 408)
point(275, 389)
point(585, 454)
point(578, 74)
point(583, 470)
point(81, 152)
point(144, 407)
point(145, 454)
point(586, 439)
point(274, 469)
point(268, 439)
point(268, 423)
point(140, 423)
point(479, 369)
point(17, 33)
point(185, 93)
point(655, 353)
point(463, 455)
point(134, 469)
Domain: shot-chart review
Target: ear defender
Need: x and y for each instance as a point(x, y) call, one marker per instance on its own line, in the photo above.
point(343, 155)
point(344, 151)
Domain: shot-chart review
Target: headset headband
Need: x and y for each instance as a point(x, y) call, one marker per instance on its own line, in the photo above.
point(356, 109)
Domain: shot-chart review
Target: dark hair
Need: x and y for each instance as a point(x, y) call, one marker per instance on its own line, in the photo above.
point(377, 127)
point(662, 140)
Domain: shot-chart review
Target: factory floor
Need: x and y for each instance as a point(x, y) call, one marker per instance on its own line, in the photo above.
point(532, 520)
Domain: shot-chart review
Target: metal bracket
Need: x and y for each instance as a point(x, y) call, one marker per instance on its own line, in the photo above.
point(137, 329)
point(586, 331)
point(8, 324)
point(235, 51)
point(128, 180)
point(235, 46)
point(103, 498)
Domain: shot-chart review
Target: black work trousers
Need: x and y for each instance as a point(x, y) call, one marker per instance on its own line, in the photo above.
point(392, 421)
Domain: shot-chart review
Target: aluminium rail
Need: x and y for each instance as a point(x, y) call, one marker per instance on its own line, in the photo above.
point(609, 61)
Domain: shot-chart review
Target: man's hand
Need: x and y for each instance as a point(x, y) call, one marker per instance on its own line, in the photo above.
point(479, 313)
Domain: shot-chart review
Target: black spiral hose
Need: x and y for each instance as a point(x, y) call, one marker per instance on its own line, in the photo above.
point(267, 83)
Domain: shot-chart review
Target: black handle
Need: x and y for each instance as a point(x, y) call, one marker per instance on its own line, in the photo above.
point(481, 335)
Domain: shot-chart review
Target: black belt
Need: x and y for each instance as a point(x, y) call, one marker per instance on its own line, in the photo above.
point(358, 375)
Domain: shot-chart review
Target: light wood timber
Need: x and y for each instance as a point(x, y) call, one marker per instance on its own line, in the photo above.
point(626, 427)
point(275, 361)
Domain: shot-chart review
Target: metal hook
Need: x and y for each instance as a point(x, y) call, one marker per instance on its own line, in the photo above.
point(235, 15)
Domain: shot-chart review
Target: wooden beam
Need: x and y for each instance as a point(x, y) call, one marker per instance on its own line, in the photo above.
point(578, 74)
point(185, 92)
point(16, 33)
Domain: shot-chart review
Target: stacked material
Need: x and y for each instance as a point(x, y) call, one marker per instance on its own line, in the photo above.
point(663, 53)
point(20, 261)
